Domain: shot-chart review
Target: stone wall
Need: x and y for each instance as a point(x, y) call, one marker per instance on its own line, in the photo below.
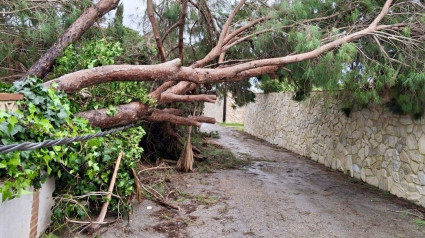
point(374, 145)
point(233, 114)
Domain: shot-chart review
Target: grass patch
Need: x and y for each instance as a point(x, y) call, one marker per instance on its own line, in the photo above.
point(237, 126)
point(217, 157)
point(418, 222)
point(213, 156)
point(199, 199)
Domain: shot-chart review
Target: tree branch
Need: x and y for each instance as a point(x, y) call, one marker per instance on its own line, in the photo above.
point(78, 80)
point(155, 30)
point(181, 30)
point(216, 51)
point(244, 28)
point(161, 116)
point(72, 34)
point(169, 97)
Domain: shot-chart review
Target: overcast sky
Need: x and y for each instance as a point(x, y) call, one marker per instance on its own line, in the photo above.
point(133, 13)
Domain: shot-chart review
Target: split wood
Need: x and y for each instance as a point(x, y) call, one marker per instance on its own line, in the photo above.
point(94, 226)
point(138, 187)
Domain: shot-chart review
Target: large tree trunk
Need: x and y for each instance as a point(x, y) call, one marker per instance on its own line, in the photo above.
point(72, 34)
point(179, 79)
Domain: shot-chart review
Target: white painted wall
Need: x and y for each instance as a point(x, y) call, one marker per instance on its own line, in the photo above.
point(15, 214)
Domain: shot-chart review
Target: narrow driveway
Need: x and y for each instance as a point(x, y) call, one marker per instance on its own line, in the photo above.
point(281, 194)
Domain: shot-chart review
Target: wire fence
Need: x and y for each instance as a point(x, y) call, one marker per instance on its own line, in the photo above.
point(49, 143)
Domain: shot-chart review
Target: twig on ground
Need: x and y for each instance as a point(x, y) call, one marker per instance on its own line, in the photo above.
point(88, 222)
point(158, 199)
point(155, 168)
point(421, 216)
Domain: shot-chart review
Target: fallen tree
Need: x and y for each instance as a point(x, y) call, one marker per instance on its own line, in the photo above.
point(172, 80)
point(175, 79)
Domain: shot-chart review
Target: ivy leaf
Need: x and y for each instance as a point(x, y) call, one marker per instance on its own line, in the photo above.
point(38, 100)
point(13, 120)
point(112, 111)
point(17, 129)
point(14, 161)
point(62, 114)
point(3, 114)
point(4, 128)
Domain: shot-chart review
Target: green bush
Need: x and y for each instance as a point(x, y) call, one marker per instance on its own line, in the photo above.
point(79, 168)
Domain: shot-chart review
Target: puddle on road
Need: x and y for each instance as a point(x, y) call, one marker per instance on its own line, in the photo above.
point(268, 171)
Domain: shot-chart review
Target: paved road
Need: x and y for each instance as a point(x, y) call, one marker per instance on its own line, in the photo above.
point(281, 194)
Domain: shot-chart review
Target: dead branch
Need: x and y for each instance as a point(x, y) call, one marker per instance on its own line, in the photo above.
point(95, 226)
point(420, 216)
point(89, 222)
point(244, 28)
point(155, 30)
point(157, 198)
point(155, 168)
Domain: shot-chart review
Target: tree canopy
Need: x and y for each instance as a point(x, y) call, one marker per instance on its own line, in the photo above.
point(365, 51)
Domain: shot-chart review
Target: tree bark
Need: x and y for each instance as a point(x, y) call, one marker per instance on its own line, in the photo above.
point(72, 34)
point(155, 30)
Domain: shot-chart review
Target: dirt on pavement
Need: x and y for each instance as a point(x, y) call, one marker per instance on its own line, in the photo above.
point(280, 194)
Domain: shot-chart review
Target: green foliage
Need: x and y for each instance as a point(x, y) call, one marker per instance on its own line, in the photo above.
point(270, 85)
point(35, 25)
point(79, 168)
point(305, 40)
point(32, 28)
point(97, 53)
point(91, 54)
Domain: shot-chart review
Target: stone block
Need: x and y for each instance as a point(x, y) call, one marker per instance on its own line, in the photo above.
point(378, 137)
point(411, 142)
point(372, 181)
point(421, 144)
point(406, 120)
point(397, 190)
point(381, 149)
point(392, 141)
point(417, 131)
point(414, 166)
point(396, 177)
point(421, 176)
point(363, 174)
point(420, 189)
point(383, 184)
point(413, 196)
